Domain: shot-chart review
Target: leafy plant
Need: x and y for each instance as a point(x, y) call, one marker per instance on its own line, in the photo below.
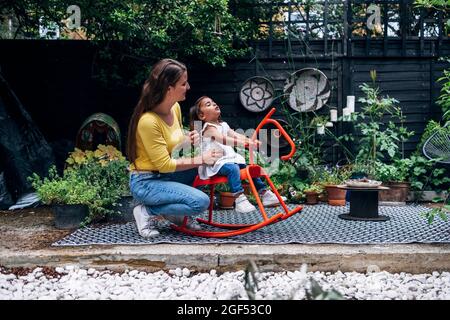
point(334, 175)
point(97, 179)
point(316, 292)
point(320, 120)
point(441, 212)
point(313, 188)
point(378, 141)
point(130, 35)
point(287, 181)
point(444, 97)
point(302, 130)
point(222, 187)
point(313, 290)
point(441, 5)
point(69, 189)
point(424, 174)
point(391, 172)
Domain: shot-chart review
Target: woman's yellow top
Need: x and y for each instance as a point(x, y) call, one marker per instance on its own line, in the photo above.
point(156, 140)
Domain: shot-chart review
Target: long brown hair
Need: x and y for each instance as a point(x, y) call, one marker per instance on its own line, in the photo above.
point(164, 73)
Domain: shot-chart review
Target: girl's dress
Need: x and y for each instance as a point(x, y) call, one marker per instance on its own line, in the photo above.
point(229, 155)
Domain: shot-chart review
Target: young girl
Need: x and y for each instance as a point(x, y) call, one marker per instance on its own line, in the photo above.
point(218, 135)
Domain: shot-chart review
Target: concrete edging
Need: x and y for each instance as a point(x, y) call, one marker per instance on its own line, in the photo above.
point(412, 258)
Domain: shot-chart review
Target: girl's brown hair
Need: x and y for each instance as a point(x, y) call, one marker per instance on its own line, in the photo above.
point(164, 73)
point(195, 111)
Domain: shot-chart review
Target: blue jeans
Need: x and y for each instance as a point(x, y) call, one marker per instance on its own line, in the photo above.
point(169, 193)
point(232, 172)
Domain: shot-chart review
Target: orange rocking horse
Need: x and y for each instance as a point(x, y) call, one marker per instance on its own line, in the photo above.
point(251, 171)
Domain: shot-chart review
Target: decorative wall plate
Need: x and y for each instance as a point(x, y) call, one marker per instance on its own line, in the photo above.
point(257, 94)
point(307, 89)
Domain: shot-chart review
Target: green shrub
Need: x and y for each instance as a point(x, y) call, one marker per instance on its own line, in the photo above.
point(69, 189)
point(97, 179)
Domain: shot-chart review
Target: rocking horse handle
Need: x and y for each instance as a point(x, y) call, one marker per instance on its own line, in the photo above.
point(280, 128)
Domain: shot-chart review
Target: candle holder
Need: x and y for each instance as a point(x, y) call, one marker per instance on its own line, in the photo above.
point(351, 103)
point(333, 115)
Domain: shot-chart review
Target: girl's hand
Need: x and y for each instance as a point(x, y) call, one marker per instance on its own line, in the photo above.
point(194, 137)
point(254, 143)
point(211, 156)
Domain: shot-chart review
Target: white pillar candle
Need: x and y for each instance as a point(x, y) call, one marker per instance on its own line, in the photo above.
point(351, 103)
point(321, 129)
point(346, 114)
point(333, 115)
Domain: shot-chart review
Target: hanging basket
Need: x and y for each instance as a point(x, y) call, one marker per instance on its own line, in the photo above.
point(98, 128)
point(307, 90)
point(257, 94)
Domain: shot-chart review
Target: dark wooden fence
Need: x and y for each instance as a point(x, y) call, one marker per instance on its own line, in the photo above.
point(53, 78)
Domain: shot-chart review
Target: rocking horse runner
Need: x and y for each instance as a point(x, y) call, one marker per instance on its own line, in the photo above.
point(252, 173)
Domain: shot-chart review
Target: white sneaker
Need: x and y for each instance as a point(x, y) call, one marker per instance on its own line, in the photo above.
point(178, 220)
point(243, 205)
point(270, 199)
point(145, 223)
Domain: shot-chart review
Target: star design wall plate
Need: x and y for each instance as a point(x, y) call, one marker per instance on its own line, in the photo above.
point(307, 89)
point(257, 94)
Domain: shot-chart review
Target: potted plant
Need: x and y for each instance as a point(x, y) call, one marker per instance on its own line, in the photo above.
point(312, 193)
point(394, 176)
point(96, 179)
point(105, 168)
point(226, 198)
point(331, 178)
point(320, 122)
point(69, 196)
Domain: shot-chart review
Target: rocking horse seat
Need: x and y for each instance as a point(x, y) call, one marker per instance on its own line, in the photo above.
point(251, 171)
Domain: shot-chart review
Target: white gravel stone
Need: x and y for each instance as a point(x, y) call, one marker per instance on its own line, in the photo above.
point(76, 283)
point(186, 272)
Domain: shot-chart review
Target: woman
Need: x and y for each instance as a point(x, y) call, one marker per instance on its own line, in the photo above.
point(161, 183)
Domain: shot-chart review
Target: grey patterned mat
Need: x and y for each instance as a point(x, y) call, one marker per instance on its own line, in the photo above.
point(314, 224)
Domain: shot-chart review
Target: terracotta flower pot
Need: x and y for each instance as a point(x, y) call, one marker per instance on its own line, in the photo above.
point(226, 200)
point(336, 196)
point(312, 197)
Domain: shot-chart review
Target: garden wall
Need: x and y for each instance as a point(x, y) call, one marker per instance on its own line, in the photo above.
point(53, 79)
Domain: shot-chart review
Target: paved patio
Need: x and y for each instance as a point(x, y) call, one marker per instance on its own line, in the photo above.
point(26, 239)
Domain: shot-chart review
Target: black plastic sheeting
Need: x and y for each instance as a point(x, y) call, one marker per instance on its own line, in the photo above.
point(23, 148)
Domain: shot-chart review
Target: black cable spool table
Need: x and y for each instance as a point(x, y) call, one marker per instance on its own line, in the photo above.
point(363, 204)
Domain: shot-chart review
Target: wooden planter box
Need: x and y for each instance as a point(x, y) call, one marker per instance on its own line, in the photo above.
point(426, 196)
point(396, 195)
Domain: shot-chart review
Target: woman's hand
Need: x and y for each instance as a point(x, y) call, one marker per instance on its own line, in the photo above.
point(211, 156)
point(194, 137)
